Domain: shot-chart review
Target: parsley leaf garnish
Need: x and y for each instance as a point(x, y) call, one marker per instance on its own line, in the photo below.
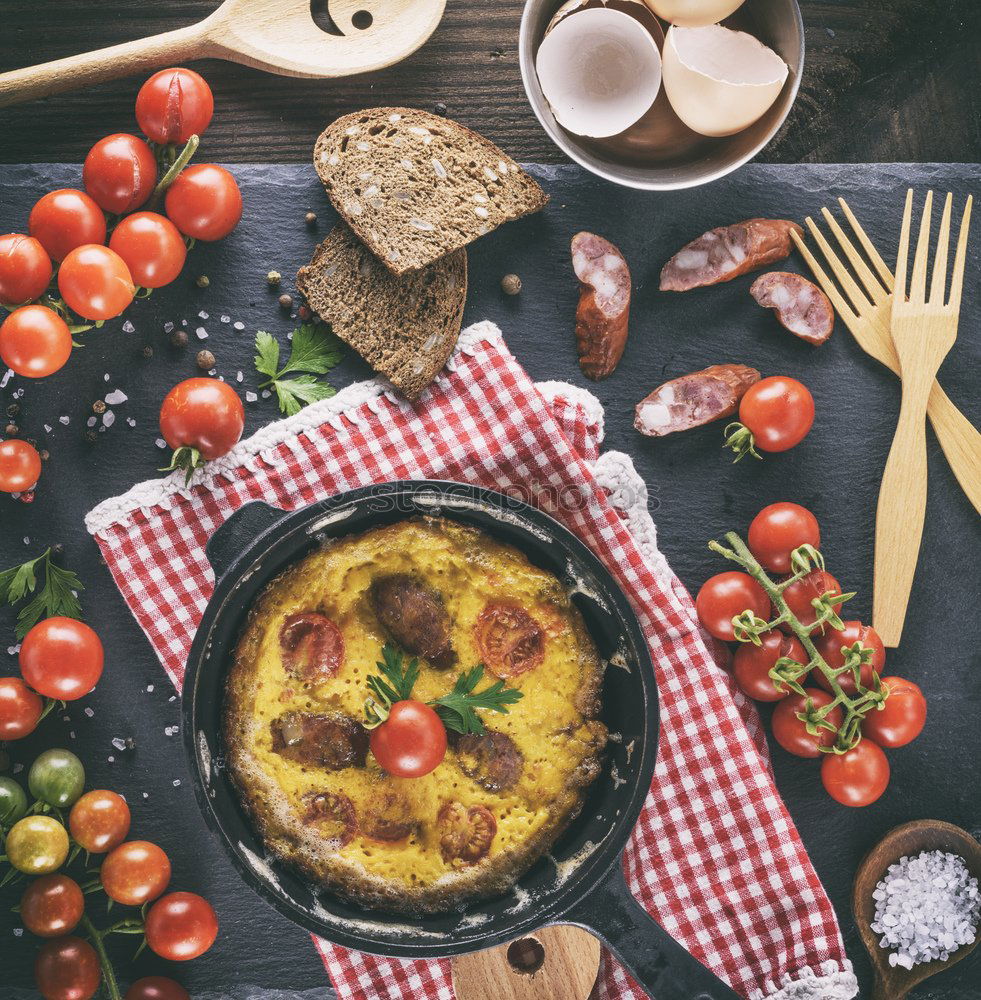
point(458, 708)
point(56, 597)
point(313, 350)
point(396, 684)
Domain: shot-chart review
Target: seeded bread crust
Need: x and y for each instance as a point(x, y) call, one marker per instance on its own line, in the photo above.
point(405, 328)
point(415, 187)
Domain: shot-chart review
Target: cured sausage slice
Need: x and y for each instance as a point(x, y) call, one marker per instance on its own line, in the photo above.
point(801, 307)
point(333, 815)
point(724, 253)
point(491, 759)
point(693, 400)
point(604, 304)
point(465, 835)
point(387, 817)
point(415, 617)
point(330, 741)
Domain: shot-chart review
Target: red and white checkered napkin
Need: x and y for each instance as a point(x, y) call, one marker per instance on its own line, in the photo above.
point(715, 856)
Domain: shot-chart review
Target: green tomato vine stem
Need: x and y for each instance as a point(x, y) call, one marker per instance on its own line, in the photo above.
point(108, 973)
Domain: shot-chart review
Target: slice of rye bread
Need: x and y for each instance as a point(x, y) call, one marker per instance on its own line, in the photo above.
point(404, 327)
point(415, 186)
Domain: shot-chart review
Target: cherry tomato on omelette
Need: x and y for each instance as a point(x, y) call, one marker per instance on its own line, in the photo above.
point(779, 529)
point(65, 219)
point(791, 733)
point(61, 658)
point(510, 641)
point(411, 742)
point(751, 664)
point(20, 466)
point(99, 821)
point(181, 926)
point(52, 906)
point(901, 718)
point(95, 282)
point(173, 105)
point(25, 269)
point(20, 709)
point(856, 778)
point(120, 173)
point(800, 595)
point(35, 341)
point(203, 414)
point(777, 412)
point(152, 248)
point(37, 845)
point(830, 647)
point(726, 595)
point(135, 872)
point(67, 968)
point(204, 202)
point(157, 988)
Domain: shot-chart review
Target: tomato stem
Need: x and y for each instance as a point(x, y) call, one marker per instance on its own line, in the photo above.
point(108, 973)
point(175, 168)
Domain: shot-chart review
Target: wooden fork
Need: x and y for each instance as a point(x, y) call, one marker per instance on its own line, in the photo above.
point(868, 317)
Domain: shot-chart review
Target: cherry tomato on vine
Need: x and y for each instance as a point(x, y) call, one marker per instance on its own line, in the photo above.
point(120, 173)
point(61, 658)
point(830, 645)
point(25, 269)
point(173, 105)
point(20, 466)
point(20, 709)
point(779, 529)
point(858, 777)
point(37, 845)
point(751, 664)
point(65, 219)
point(777, 412)
point(67, 968)
point(411, 742)
point(52, 906)
point(204, 202)
point(728, 594)
point(56, 777)
point(95, 282)
point(801, 593)
point(202, 414)
point(181, 926)
point(156, 988)
point(152, 248)
point(99, 821)
point(791, 733)
point(13, 801)
point(135, 872)
point(901, 718)
point(35, 341)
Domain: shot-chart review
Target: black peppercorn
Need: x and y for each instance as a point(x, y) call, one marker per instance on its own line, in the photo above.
point(13, 409)
point(11, 430)
point(148, 352)
point(206, 360)
point(99, 406)
point(310, 218)
point(440, 109)
point(202, 281)
point(179, 338)
point(91, 437)
point(286, 300)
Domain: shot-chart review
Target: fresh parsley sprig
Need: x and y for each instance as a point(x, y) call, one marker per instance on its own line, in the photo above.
point(396, 684)
point(458, 708)
point(58, 595)
point(314, 351)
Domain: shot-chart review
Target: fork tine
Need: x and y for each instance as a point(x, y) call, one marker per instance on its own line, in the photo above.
point(830, 288)
point(872, 285)
point(940, 260)
point(852, 290)
point(957, 278)
point(868, 246)
point(917, 284)
point(903, 258)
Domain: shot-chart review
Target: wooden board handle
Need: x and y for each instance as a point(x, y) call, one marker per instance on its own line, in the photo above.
point(89, 68)
point(960, 440)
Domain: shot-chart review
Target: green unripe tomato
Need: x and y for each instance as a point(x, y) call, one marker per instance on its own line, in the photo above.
point(37, 845)
point(13, 801)
point(57, 778)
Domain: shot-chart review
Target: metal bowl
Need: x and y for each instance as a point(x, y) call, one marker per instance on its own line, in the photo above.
point(660, 153)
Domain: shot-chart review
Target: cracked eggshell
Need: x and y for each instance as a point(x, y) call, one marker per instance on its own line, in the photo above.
point(693, 13)
point(720, 81)
point(637, 9)
point(599, 70)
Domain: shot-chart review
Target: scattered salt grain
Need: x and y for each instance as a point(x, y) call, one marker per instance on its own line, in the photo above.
point(17, 768)
point(92, 421)
point(119, 743)
point(238, 326)
point(225, 318)
point(239, 376)
point(89, 711)
point(108, 418)
point(131, 421)
point(177, 781)
point(202, 315)
point(6, 378)
point(128, 327)
point(111, 759)
point(168, 327)
point(201, 333)
point(250, 397)
point(64, 420)
point(18, 932)
point(146, 795)
point(149, 689)
point(13, 650)
point(47, 428)
point(116, 397)
point(161, 443)
point(266, 393)
point(105, 377)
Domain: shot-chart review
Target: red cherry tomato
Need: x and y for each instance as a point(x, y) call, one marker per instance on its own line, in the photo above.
point(791, 733)
point(35, 341)
point(99, 821)
point(751, 664)
point(52, 906)
point(830, 645)
point(156, 988)
point(67, 968)
point(799, 595)
point(120, 173)
point(856, 778)
point(152, 248)
point(204, 414)
point(20, 466)
point(728, 594)
point(135, 872)
point(95, 282)
point(65, 219)
point(181, 926)
point(411, 742)
point(25, 269)
point(901, 718)
point(20, 709)
point(61, 658)
point(510, 641)
point(173, 105)
point(779, 529)
point(204, 202)
point(778, 411)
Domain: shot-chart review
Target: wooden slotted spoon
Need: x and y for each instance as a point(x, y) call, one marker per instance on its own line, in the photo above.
point(279, 36)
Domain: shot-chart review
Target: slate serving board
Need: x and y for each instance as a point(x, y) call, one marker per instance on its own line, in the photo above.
point(696, 494)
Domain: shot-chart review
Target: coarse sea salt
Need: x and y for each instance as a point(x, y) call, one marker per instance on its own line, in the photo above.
point(926, 908)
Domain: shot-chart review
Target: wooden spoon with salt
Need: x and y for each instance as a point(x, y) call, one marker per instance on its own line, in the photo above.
point(895, 982)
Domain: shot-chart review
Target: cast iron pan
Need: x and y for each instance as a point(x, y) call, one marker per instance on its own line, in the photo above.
point(581, 882)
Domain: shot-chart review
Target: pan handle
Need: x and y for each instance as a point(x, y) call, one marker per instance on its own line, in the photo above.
point(238, 532)
point(658, 963)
